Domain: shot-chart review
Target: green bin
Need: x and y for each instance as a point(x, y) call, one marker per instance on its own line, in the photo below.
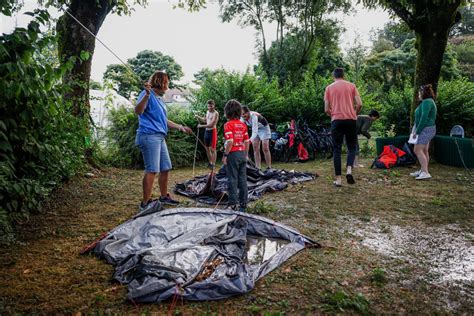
point(447, 152)
point(397, 141)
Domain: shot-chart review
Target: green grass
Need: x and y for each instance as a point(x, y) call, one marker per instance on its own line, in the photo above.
point(43, 273)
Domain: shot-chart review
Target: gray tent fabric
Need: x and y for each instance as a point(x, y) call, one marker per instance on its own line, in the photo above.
point(212, 188)
point(197, 253)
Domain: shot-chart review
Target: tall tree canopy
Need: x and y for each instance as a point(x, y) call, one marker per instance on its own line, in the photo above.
point(300, 25)
point(431, 20)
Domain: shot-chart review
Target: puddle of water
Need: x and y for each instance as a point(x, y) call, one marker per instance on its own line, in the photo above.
point(445, 250)
point(260, 249)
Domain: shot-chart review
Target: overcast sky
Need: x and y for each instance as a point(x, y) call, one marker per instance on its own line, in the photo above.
point(195, 40)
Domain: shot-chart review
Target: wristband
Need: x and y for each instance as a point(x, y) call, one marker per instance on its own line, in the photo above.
point(225, 155)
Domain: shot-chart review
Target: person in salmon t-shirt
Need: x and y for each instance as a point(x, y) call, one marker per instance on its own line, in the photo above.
point(236, 149)
point(342, 103)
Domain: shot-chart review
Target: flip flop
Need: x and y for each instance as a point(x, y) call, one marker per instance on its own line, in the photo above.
point(350, 179)
point(337, 185)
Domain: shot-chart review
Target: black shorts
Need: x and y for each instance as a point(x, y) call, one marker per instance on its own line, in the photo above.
point(210, 138)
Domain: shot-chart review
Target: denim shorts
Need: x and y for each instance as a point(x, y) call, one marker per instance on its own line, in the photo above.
point(154, 151)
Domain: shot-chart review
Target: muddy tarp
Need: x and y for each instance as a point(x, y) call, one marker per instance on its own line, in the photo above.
point(196, 253)
point(208, 189)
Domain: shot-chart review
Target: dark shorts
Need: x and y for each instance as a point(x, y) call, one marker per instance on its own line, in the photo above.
point(210, 138)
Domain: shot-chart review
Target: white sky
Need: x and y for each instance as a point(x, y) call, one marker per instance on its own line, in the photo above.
point(195, 40)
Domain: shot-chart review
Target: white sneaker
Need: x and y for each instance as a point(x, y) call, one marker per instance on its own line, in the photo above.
point(423, 175)
point(416, 173)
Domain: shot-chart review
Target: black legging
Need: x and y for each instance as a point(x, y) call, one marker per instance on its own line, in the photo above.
point(339, 130)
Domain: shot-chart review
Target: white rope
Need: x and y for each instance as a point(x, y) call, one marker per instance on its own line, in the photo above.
point(85, 28)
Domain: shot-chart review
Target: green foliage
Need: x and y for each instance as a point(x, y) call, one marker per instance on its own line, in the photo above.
point(290, 58)
point(395, 111)
point(277, 104)
point(121, 150)
point(464, 48)
point(305, 100)
point(304, 33)
point(378, 277)
point(253, 90)
point(143, 65)
point(41, 143)
point(455, 105)
point(392, 68)
point(262, 208)
point(340, 302)
point(392, 34)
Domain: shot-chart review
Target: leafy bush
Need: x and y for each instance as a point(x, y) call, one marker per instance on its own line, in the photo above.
point(41, 143)
point(121, 150)
point(305, 100)
point(455, 106)
point(395, 111)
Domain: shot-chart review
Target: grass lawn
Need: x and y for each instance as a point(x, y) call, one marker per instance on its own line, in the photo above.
point(391, 245)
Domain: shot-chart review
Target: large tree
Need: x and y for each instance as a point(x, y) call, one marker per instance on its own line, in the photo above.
point(300, 26)
point(431, 20)
point(75, 40)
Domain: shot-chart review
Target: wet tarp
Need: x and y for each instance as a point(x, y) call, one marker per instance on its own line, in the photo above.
point(210, 189)
point(196, 253)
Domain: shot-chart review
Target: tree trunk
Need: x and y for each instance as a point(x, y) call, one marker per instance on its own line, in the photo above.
point(74, 39)
point(430, 47)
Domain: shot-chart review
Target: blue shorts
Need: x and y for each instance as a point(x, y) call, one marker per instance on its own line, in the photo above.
point(154, 151)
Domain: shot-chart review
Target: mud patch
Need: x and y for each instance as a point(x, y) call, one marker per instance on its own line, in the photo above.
point(445, 249)
point(445, 252)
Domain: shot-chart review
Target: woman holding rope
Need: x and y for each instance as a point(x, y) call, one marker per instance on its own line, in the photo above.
point(153, 125)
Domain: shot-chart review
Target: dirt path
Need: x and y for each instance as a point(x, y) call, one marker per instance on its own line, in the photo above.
point(392, 245)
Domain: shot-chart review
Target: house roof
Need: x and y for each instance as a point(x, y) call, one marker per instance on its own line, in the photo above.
point(176, 95)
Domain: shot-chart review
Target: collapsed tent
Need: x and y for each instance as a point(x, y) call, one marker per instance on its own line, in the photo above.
point(196, 253)
point(210, 189)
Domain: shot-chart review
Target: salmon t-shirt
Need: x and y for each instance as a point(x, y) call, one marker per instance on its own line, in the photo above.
point(340, 95)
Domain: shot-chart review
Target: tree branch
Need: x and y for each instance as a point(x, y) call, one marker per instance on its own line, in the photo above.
point(402, 12)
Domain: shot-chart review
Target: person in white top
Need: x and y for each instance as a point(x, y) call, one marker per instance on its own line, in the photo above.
point(210, 134)
point(261, 133)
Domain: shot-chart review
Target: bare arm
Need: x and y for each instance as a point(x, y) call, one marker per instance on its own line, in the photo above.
point(358, 104)
point(327, 107)
point(227, 147)
point(200, 119)
point(140, 107)
point(179, 127)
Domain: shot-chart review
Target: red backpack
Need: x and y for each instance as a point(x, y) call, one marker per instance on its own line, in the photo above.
point(389, 157)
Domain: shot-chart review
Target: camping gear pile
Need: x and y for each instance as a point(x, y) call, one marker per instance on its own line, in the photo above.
point(196, 253)
point(392, 156)
point(211, 189)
